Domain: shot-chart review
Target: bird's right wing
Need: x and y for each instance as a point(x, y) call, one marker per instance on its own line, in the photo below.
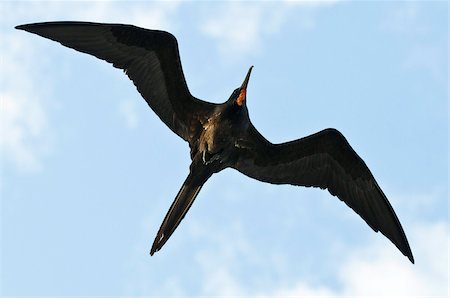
point(150, 58)
point(325, 160)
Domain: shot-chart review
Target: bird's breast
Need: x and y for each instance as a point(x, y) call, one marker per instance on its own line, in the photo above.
point(210, 137)
point(216, 136)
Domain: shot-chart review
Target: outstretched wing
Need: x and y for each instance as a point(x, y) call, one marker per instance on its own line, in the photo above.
point(150, 58)
point(324, 160)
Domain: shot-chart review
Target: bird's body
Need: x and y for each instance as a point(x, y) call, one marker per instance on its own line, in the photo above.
point(221, 135)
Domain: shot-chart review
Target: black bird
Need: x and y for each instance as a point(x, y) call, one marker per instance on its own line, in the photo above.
point(222, 135)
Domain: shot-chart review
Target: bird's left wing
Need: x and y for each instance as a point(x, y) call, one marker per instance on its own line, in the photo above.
point(150, 58)
point(324, 160)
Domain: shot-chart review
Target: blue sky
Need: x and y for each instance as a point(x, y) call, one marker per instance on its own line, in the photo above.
point(88, 170)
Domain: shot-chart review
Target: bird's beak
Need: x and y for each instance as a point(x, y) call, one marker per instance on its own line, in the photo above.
point(247, 78)
point(243, 94)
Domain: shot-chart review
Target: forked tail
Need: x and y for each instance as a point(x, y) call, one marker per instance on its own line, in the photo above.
point(177, 211)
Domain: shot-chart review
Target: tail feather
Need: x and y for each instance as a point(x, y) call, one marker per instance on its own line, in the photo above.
point(180, 206)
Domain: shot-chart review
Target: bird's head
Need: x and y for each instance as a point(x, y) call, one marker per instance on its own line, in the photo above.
point(239, 95)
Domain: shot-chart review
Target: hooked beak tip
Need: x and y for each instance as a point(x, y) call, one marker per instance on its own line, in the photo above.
point(247, 78)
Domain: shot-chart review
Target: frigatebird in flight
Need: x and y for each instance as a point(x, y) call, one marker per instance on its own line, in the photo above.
point(222, 135)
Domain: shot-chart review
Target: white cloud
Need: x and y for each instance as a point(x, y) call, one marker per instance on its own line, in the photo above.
point(408, 21)
point(417, 204)
point(26, 131)
point(225, 255)
point(216, 265)
point(26, 117)
point(373, 271)
point(239, 27)
point(429, 59)
point(156, 15)
point(403, 19)
point(145, 14)
point(236, 27)
point(128, 111)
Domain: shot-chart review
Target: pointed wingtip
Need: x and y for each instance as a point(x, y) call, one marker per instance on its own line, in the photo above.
point(26, 27)
point(157, 243)
point(32, 27)
point(154, 249)
point(406, 250)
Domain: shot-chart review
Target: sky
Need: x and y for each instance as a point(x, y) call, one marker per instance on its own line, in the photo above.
point(88, 171)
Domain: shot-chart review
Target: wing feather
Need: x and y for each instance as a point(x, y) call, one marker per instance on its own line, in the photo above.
point(150, 58)
point(325, 160)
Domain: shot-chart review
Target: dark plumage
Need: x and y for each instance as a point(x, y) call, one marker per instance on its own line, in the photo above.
point(222, 135)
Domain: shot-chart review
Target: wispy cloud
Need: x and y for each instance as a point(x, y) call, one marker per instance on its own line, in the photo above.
point(404, 19)
point(25, 130)
point(429, 59)
point(407, 21)
point(376, 269)
point(128, 111)
point(373, 271)
point(155, 15)
point(370, 271)
point(239, 27)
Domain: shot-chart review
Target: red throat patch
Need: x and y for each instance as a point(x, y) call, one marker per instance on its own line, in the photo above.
point(241, 98)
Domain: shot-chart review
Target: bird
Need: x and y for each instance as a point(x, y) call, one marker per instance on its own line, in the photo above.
point(221, 135)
